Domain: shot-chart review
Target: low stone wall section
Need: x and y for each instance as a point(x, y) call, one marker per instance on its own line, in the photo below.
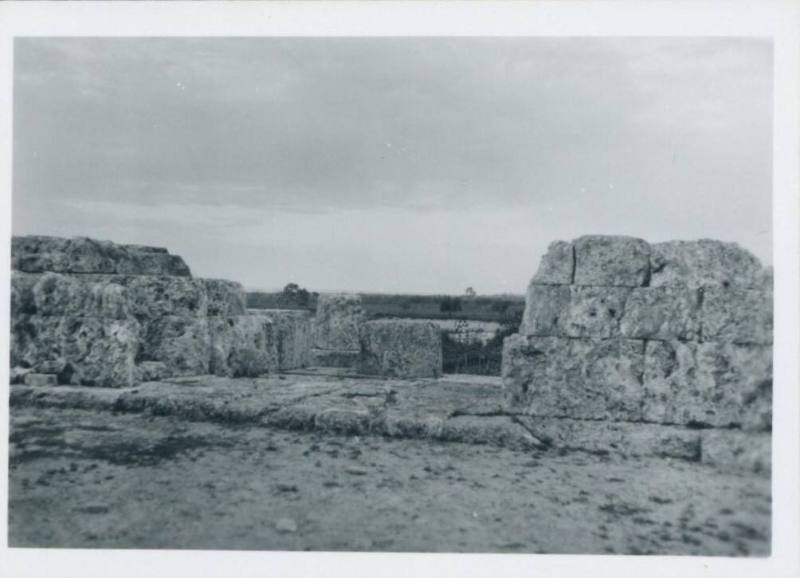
point(671, 333)
point(401, 348)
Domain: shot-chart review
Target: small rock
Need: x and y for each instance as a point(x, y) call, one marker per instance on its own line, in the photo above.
point(357, 471)
point(286, 525)
point(286, 488)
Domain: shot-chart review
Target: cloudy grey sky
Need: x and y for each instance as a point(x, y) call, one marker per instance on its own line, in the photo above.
point(391, 164)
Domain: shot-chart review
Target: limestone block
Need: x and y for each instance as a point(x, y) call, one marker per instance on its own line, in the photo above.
point(401, 348)
point(293, 336)
point(629, 439)
point(183, 344)
point(153, 297)
point(737, 314)
point(242, 346)
point(40, 379)
point(36, 340)
point(576, 378)
point(594, 311)
point(338, 321)
point(152, 371)
point(731, 450)
point(611, 261)
point(225, 298)
point(545, 306)
point(17, 374)
point(38, 254)
point(79, 296)
point(703, 263)
point(662, 313)
point(557, 265)
point(710, 384)
point(342, 358)
point(22, 301)
point(99, 351)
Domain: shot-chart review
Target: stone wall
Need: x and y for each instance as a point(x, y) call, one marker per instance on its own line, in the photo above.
point(666, 333)
point(335, 330)
point(97, 313)
point(293, 335)
point(400, 348)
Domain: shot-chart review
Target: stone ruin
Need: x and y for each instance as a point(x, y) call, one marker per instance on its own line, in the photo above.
point(617, 330)
point(87, 312)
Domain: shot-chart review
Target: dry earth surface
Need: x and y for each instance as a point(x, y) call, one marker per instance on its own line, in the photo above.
point(99, 479)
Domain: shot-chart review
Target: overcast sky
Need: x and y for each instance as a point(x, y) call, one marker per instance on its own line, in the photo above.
point(392, 165)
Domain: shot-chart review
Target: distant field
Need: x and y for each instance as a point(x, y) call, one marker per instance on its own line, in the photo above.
point(505, 309)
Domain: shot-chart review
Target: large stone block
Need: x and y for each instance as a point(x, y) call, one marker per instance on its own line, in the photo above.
point(99, 352)
point(662, 313)
point(338, 321)
point(557, 265)
point(38, 254)
point(80, 350)
point(242, 346)
point(225, 298)
point(154, 297)
point(594, 311)
point(708, 384)
point(545, 307)
point(702, 263)
point(22, 284)
point(36, 341)
point(183, 344)
point(401, 348)
point(58, 294)
point(611, 261)
point(293, 336)
point(737, 314)
point(576, 378)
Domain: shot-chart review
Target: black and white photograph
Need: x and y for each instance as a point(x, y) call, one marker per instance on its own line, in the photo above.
point(370, 293)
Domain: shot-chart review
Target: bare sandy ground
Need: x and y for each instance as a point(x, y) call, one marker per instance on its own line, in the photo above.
point(90, 479)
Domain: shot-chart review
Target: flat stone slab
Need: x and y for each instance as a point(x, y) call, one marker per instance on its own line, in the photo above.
point(458, 409)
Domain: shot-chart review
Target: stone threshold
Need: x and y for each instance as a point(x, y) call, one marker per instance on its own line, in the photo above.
point(443, 409)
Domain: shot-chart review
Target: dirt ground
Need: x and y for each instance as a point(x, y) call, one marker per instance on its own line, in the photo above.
point(91, 479)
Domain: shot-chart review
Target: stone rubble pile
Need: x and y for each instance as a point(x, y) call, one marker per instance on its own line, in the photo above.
point(616, 329)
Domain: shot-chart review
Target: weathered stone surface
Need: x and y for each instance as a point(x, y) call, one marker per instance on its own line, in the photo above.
point(242, 346)
point(338, 321)
point(631, 439)
point(401, 348)
point(557, 265)
point(17, 374)
point(594, 311)
point(36, 254)
point(293, 336)
point(99, 352)
point(183, 344)
point(662, 313)
point(225, 298)
point(40, 379)
point(577, 378)
point(711, 384)
point(494, 430)
point(56, 294)
point(611, 261)
point(731, 450)
point(36, 340)
point(154, 297)
point(22, 301)
point(81, 350)
point(345, 359)
point(151, 371)
point(737, 315)
point(545, 307)
point(703, 263)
